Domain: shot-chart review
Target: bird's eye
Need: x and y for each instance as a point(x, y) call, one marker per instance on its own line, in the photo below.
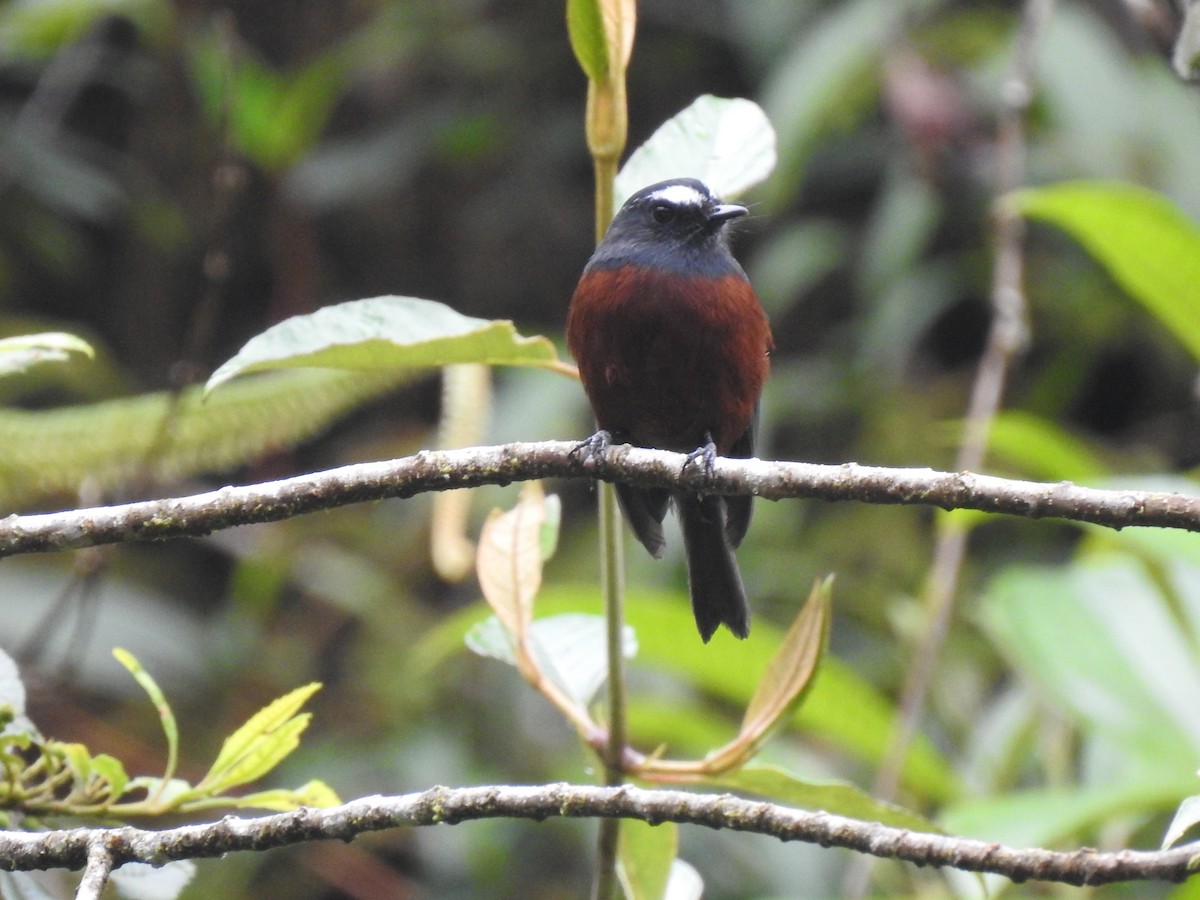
point(663, 213)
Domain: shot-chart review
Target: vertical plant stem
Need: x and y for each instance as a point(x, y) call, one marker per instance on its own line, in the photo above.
point(612, 583)
point(1007, 336)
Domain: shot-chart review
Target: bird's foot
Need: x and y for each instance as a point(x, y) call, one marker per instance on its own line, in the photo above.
point(704, 456)
point(594, 448)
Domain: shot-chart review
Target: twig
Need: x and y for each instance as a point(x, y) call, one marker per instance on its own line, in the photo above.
point(97, 871)
point(440, 470)
point(23, 851)
point(1007, 336)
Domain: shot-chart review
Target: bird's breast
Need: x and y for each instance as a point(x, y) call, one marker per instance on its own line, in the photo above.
point(666, 358)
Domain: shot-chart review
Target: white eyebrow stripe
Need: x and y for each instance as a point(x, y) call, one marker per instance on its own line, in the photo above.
point(679, 195)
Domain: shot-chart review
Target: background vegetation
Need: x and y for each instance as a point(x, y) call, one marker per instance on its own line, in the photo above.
point(176, 177)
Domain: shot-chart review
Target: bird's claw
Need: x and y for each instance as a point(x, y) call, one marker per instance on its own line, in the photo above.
point(593, 448)
point(704, 456)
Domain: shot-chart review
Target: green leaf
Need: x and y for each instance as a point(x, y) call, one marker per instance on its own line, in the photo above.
point(165, 715)
point(1098, 640)
point(1186, 818)
point(585, 26)
point(1045, 817)
point(727, 144)
point(385, 333)
point(265, 740)
point(316, 794)
point(1144, 241)
point(111, 770)
point(1041, 449)
point(78, 761)
point(109, 444)
point(827, 79)
point(837, 797)
point(659, 618)
point(569, 649)
point(645, 855)
point(790, 672)
point(25, 351)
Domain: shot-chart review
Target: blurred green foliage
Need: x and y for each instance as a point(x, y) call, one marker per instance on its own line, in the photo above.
point(178, 177)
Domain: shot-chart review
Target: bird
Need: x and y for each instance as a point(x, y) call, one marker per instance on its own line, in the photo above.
point(673, 349)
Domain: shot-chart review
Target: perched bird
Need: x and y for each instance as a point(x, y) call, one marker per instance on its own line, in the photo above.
point(673, 349)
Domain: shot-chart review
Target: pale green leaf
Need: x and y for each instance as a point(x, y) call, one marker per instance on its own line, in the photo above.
point(115, 442)
point(569, 648)
point(111, 770)
point(585, 26)
point(660, 617)
point(141, 881)
point(791, 670)
point(78, 760)
point(728, 144)
point(1037, 448)
point(25, 351)
point(260, 757)
point(1144, 241)
point(1048, 816)
point(644, 856)
point(1098, 641)
point(827, 80)
point(385, 333)
point(315, 794)
point(837, 797)
point(261, 743)
point(167, 794)
point(165, 715)
point(1186, 818)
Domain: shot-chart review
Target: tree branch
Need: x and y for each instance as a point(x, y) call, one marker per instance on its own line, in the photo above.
point(21, 851)
point(440, 470)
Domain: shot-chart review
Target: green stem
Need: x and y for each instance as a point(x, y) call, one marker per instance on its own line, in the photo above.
point(612, 585)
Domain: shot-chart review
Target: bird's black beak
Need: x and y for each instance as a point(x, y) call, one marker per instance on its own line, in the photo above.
point(724, 212)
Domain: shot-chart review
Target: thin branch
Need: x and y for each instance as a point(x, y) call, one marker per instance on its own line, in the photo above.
point(22, 851)
point(1007, 336)
point(440, 470)
point(98, 869)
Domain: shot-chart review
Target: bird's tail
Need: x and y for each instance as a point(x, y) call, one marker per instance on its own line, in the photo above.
point(718, 597)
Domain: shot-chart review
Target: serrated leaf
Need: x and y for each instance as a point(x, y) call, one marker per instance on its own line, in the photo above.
point(169, 726)
point(509, 559)
point(263, 755)
point(837, 797)
point(24, 351)
point(791, 670)
point(1145, 242)
point(265, 740)
point(109, 444)
point(385, 333)
point(728, 144)
point(644, 856)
